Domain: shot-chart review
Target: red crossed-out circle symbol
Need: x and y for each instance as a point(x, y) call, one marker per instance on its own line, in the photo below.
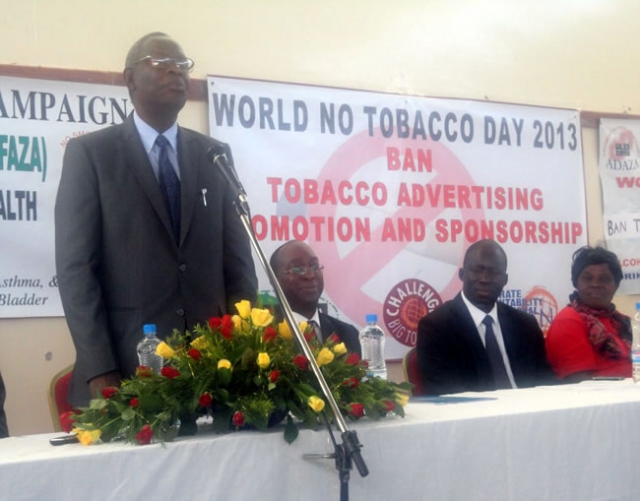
point(351, 265)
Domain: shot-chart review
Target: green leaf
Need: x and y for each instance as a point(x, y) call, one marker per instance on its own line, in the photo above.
point(271, 386)
point(257, 381)
point(128, 414)
point(98, 403)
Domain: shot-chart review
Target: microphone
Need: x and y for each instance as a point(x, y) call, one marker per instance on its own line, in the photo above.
point(217, 155)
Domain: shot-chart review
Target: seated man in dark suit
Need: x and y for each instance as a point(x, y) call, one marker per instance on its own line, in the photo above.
point(4, 431)
point(473, 342)
point(300, 276)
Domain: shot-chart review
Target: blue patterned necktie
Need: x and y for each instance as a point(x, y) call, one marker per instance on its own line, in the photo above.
point(495, 355)
point(169, 185)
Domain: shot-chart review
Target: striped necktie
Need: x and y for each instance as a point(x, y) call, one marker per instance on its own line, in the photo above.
point(316, 329)
point(169, 185)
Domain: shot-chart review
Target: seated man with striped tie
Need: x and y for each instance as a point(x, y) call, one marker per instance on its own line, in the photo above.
point(475, 343)
point(300, 276)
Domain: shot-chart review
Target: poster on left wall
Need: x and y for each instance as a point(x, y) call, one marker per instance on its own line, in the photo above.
point(37, 120)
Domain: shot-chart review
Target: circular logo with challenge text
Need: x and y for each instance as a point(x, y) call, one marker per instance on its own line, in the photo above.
point(404, 306)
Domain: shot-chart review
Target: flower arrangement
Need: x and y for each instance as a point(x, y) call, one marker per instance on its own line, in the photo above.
point(243, 370)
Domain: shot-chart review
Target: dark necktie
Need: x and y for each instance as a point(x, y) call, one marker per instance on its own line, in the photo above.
point(169, 185)
point(495, 356)
point(316, 329)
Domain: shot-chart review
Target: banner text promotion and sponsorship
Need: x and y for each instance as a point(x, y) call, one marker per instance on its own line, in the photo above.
point(389, 190)
point(37, 119)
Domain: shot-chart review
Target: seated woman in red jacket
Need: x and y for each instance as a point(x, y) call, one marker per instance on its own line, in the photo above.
point(589, 337)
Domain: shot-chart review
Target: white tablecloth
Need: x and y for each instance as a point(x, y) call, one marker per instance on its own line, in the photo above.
point(574, 443)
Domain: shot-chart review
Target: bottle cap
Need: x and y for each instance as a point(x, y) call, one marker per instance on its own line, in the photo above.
point(371, 318)
point(149, 329)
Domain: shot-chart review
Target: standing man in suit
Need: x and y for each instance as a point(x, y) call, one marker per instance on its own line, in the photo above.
point(145, 227)
point(473, 342)
point(299, 274)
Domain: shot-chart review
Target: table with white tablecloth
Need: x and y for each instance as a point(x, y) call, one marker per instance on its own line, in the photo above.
point(571, 442)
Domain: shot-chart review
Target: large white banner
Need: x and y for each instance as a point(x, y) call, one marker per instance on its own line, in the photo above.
point(620, 178)
point(390, 190)
point(37, 119)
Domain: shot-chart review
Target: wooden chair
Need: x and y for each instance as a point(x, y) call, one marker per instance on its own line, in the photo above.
point(412, 372)
point(58, 391)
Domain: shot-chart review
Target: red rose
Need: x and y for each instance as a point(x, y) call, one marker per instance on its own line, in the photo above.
point(364, 363)
point(143, 371)
point(301, 362)
point(238, 418)
point(274, 375)
point(134, 402)
point(195, 354)
point(226, 327)
point(66, 421)
point(310, 335)
point(269, 334)
point(109, 392)
point(205, 400)
point(356, 410)
point(170, 372)
point(389, 405)
point(333, 338)
point(145, 435)
point(352, 359)
point(215, 322)
point(351, 382)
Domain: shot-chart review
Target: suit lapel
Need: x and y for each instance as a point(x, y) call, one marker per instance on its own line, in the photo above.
point(469, 331)
point(138, 161)
point(188, 180)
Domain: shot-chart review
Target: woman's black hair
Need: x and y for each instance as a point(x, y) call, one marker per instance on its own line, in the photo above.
point(586, 256)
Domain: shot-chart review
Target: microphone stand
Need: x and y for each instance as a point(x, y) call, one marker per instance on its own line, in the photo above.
point(349, 450)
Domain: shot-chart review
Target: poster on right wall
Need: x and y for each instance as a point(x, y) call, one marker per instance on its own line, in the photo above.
point(619, 168)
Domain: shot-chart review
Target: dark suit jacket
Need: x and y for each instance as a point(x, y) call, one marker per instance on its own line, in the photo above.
point(118, 264)
point(452, 357)
point(347, 333)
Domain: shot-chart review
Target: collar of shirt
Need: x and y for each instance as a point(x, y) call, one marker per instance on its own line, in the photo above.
point(478, 315)
point(148, 137)
point(301, 318)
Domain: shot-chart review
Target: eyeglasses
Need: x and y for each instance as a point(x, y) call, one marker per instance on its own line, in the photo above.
point(301, 271)
point(185, 65)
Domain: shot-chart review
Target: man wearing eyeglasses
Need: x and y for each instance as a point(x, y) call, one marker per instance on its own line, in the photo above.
point(145, 227)
point(299, 274)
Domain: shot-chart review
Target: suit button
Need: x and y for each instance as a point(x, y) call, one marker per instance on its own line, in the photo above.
point(182, 267)
point(180, 312)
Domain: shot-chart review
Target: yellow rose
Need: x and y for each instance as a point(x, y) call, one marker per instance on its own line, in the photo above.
point(317, 404)
point(223, 363)
point(239, 324)
point(324, 357)
point(261, 317)
point(340, 349)
point(263, 360)
point(303, 326)
point(284, 330)
point(164, 350)
point(244, 308)
point(87, 437)
point(402, 398)
point(199, 343)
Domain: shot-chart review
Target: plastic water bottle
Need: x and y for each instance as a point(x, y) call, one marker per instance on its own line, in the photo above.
point(635, 346)
point(147, 349)
point(372, 344)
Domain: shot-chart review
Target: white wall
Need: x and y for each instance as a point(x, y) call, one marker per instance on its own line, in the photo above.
point(564, 53)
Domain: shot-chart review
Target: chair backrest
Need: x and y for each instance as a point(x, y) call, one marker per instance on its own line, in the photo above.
point(412, 372)
point(58, 392)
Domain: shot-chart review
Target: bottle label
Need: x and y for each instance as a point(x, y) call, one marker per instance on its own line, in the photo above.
point(635, 357)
